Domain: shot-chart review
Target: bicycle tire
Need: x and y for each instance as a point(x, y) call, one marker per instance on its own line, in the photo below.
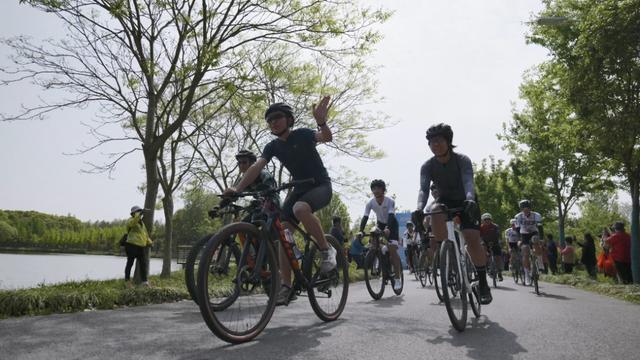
point(435, 274)
point(189, 269)
point(453, 287)
point(393, 283)
point(494, 272)
point(373, 274)
point(423, 268)
point(416, 265)
point(321, 287)
point(247, 289)
point(474, 300)
point(534, 277)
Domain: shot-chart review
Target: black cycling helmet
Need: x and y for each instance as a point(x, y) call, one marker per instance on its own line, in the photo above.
point(282, 107)
point(524, 204)
point(246, 154)
point(441, 129)
point(378, 183)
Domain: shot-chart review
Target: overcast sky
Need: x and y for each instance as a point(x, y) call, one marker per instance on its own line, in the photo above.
point(458, 62)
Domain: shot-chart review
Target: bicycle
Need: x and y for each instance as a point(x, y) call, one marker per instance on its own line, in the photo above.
point(492, 268)
point(423, 268)
point(435, 271)
point(458, 275)
point(220, 265)
point(535, 271)
point(255, 277)
point(517, 271)
point(377, 267)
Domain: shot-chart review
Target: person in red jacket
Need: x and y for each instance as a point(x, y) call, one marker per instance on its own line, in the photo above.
point(619, 245)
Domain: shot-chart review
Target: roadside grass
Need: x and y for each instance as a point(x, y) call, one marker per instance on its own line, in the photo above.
point(603, 285)
point(101, 295)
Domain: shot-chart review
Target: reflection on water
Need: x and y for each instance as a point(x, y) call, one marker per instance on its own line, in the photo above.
point(29, 270)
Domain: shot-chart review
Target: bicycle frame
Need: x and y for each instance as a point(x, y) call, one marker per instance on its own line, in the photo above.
point(453, 229)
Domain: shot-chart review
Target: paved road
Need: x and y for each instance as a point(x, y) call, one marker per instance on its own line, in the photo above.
point(564, 323)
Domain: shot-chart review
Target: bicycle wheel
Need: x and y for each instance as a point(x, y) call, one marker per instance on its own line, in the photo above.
point(328, 292)
point(423, 269)
point(474, 300)
point(373, 274)
point(534, 276)
point(435, 274)
point(393, 282)
point(250, 307)
point(190, 270)
point(416, 265)
point(493, 271)
point(454, 291)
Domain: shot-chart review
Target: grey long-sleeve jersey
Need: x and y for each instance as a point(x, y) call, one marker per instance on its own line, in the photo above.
point(453, 179)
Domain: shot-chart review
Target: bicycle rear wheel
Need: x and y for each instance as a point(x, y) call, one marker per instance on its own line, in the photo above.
point(191, 270)
point(415, 259)
point(493, 270)
point(328, 292)
point(534, 277)
point(251, 292)
point(474, 300)
point(373, 274)
point(423, 269)
point(393, 282)
point(453, 290)
point(435, 274)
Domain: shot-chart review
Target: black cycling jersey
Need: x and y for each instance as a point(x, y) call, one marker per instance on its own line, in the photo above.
point(453, 179)
point(299, 155)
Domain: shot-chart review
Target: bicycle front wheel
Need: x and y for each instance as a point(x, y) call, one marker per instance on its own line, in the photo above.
point(435, 274)
point(328, 292)
point(249, 288)
point(373, 274)
point(423, 269)
point(454, 290)
point(535, 274)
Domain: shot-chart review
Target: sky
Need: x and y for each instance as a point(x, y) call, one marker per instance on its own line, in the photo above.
point(458, 62)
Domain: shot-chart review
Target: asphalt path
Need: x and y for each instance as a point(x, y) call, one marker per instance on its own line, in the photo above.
point(563, 323)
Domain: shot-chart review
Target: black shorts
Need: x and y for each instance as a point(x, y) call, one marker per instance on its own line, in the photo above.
point(513, 246)
point(394, 235)
point(495, 249)
point(526, 238)
point(316, 197)
point(468, 221)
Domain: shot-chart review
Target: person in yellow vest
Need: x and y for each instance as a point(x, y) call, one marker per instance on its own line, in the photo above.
point(137, 240)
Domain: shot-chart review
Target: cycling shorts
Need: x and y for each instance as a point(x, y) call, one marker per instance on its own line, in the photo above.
point(317, 198)
point(526, 238)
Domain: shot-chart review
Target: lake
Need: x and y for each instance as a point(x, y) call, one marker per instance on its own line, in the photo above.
point(30, 270)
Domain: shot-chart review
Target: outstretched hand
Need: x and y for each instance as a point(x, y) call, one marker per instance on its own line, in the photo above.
point(321, 110)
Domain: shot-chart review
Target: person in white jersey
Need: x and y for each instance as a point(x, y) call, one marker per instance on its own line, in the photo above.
point(529, 226)
point(385, 209)
point(513, 237)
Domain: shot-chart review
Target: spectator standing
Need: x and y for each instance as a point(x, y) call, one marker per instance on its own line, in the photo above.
point(552, 254)
point(619, 245)
point(568, 256)
point(589, 255)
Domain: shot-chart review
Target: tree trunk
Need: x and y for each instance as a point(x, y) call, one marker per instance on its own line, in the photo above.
point(561, 218)
point(150, 159)
point(167, 247)
point(635, 241)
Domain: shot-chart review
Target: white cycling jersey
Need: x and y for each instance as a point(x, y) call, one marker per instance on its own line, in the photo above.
point(382, 211)
point(528, 224)
point(411, 239)
point(511, 235)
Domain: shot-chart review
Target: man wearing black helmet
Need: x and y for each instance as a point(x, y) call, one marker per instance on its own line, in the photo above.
point(385, 209)
point(265, 180)
point(452, 174)
point(529, 226)
point(296, 150)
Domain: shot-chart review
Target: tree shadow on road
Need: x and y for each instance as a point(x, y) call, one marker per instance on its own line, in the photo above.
point(269, 344)
point(552, 296)
point(484, 339)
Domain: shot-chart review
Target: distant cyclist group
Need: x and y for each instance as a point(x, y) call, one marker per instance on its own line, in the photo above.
point(264, 258)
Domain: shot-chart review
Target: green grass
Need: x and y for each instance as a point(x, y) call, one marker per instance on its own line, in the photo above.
point(108, 294)
point(603, 286)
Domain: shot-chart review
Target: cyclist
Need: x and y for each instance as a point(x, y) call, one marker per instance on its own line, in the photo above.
point(296, 150)
point(452, 174)
point(513, 237)
point(528, 225)
point(411, 239)
point(490, 235)
point(385, 210)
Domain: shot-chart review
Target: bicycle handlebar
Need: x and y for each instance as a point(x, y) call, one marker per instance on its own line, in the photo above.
point(267, 192)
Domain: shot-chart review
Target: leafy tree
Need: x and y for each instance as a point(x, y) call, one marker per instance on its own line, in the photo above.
point(597, 46)
point(546, 135)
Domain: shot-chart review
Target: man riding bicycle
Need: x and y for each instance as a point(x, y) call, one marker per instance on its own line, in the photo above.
point(490, 235)
point(529, 225)
point(513, 237)
point(385, 209)
point(412, 241)
point(296, 150)
point(452, 174)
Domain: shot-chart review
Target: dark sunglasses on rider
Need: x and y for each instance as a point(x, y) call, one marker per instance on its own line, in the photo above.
point(274, 117)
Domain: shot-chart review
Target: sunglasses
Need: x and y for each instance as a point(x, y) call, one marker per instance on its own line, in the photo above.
point(243, 162)
point(274, 117)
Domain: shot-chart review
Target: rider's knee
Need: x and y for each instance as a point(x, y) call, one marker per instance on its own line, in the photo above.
point(301, 209)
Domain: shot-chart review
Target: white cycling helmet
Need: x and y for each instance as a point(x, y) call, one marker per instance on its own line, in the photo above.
point(486, 216)
point(513, 221)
